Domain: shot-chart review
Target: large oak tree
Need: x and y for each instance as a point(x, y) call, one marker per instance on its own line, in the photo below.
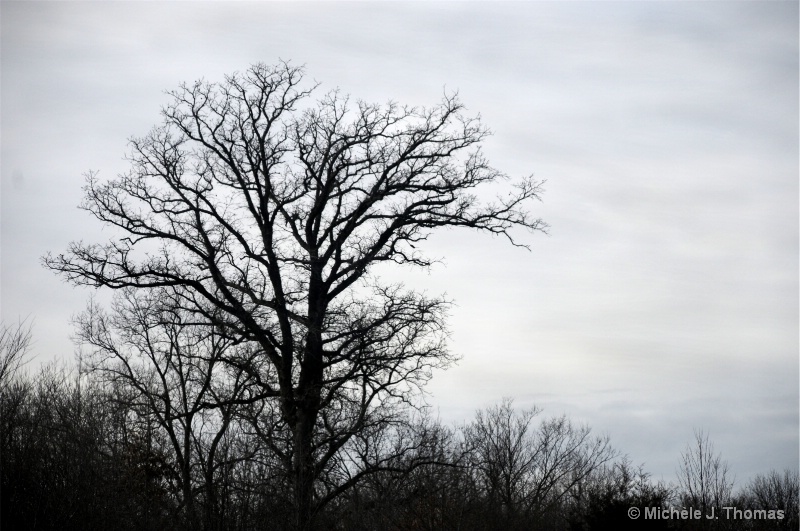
point(264, 213)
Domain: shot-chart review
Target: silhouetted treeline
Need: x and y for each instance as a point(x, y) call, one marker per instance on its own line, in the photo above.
point(79, 453)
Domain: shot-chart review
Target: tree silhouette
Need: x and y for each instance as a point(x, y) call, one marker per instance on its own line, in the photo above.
point(14, 344)
point(174, 374)
point(526, 471)
point(265, 215)
point(704, 477)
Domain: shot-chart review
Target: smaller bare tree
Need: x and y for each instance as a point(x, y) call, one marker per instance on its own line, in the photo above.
point(15, 340)
point(172, 366)
point(525, 470)
point(703, 476)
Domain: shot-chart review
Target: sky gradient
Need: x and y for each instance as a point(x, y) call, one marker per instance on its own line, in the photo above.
point(665, 298)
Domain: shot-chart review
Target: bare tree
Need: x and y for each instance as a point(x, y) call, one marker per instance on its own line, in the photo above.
point(173, 370)
point(526, 470)
point(269, 214)
point(703, 476)
point(14, 343)
point(774, 492)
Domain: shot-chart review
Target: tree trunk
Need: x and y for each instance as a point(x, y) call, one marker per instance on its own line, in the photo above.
point(304, 471)
point(308, 403)
point(306, 417)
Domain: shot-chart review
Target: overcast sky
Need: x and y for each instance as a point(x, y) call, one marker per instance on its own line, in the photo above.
point(665, 298)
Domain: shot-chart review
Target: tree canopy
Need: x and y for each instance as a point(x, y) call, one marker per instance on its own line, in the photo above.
point(261, 213)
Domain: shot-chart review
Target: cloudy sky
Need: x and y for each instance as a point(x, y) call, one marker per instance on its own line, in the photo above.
point(665, 298)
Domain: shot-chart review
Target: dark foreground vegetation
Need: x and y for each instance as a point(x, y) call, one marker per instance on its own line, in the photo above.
point(79, 453)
